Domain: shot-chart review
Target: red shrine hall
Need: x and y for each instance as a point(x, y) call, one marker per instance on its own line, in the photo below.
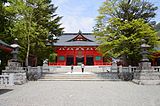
point(78, 48)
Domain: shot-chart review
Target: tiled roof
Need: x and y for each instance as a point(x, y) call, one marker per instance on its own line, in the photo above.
point(64, 40)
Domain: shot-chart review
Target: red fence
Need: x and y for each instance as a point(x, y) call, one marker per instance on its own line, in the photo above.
point(63, 64)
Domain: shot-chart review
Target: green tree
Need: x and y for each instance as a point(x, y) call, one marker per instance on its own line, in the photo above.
point(6, 18)
point(122, 25)
point(45, 18)
point(24, 27)
point(44, 15)
point(127, 10)
point(2, 18)
point(157, 28)
point(33, 21)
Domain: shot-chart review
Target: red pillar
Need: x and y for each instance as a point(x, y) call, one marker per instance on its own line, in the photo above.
point(94, 59)
point(65, 59)
point(74, 56)
point(84, 56)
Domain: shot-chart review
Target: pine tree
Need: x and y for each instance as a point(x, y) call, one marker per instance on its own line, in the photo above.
point(120, 27)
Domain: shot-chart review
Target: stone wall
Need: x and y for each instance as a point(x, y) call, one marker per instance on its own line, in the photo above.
point(34, 73)
point(19, 78)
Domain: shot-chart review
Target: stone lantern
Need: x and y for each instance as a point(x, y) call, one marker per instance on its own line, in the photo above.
point(14, 67)
point(146, 75)
point(16, 47)
point(145, 65)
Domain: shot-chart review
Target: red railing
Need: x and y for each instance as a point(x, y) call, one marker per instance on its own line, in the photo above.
point(64, 64)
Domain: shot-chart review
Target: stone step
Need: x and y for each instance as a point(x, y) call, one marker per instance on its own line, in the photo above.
point(147, 76)
point(78, 69)
point(80, 76)
point(69, 77)
point(79, 80)
point(146, 82)
point(107, 75)
point(74, 75)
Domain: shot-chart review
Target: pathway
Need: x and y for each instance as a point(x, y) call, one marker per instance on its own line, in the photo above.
point(81, 93)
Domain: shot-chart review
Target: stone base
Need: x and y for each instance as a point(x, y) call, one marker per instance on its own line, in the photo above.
point(150, 75)
point(114, 67)
point(147, 78)
point(146, 82)
point(18, 78)
point(114, 70)
point(45, 68)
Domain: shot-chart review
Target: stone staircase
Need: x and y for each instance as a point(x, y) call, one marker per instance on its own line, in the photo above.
point(63, 69)
point(69, 76)
point(91, 73)
point(151, 75)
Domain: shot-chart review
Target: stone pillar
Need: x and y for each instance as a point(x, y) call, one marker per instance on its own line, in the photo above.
point(114, 67)
point(11, 79)
point(17, 74)
point(45, 68)
point(120, 68)
point(130, 68)
point(39, 69)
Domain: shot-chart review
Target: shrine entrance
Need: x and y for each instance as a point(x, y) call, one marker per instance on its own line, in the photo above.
point(70, 60)
point(79, 60)
point(76, 49)
point(89, 60)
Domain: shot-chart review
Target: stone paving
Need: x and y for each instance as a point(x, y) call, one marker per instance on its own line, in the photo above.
point(80, 93)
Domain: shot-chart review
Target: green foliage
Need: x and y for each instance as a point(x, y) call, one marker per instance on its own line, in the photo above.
point(33, 21)
point(45, 17)
point(127, 10)
point(52, 57)
point(122, 25)
point(6, 18)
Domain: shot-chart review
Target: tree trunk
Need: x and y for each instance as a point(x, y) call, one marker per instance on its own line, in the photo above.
point(27, 56)
point(28, 49)
point(28, 39)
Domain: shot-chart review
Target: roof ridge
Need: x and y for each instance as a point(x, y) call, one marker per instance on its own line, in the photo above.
point(76, 33)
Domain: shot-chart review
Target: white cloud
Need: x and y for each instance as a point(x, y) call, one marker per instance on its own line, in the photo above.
point(77, 15)
point(76, 23)
point(59, 2)
point(87, 24)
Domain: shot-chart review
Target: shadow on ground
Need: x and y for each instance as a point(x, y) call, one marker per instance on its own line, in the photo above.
point(2, 91)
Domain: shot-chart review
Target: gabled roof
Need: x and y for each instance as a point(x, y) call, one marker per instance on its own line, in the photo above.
point(76, 39)
point(80, 37)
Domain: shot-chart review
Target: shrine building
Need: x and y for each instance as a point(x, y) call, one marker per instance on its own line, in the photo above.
point(78, 48)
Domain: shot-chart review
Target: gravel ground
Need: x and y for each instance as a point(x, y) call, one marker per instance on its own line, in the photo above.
point(81, 93)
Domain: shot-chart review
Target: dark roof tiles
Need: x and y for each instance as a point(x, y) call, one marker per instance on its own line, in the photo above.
point(63, 40)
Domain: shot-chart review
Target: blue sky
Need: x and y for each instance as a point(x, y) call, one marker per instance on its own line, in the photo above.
point(81, 14)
